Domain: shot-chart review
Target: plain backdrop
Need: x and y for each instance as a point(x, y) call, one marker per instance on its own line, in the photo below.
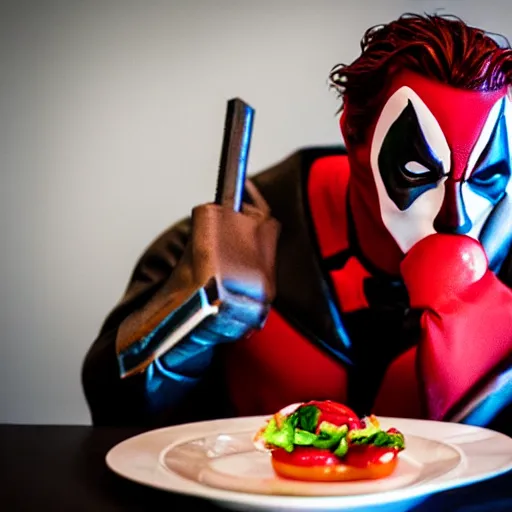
point(111, 117)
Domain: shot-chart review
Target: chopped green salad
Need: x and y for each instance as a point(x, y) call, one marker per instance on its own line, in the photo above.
point(303, 428)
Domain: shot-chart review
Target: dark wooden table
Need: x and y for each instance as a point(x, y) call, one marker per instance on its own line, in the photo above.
point(62, 468)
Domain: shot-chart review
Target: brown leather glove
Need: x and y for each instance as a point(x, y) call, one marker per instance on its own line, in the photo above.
point(221, 289)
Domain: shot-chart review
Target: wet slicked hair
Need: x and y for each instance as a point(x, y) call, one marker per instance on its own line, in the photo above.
point(443, 48)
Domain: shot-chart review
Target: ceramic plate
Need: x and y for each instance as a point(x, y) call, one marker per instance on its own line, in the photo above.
point(216, 460)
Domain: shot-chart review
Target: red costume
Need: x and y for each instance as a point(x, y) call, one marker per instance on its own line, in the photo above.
point(393, 268)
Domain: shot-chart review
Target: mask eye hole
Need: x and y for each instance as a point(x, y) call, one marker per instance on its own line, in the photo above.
point(415, 169)
point(490, 175)
point(492, 172)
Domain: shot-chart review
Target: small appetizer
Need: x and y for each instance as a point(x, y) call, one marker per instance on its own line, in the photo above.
point(324, 441)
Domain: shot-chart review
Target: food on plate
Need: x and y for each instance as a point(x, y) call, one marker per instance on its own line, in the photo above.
point(325, 441)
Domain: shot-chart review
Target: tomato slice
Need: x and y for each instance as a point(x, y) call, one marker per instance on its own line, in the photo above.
point(336, 413)
point(360, 456)
point(305, 456)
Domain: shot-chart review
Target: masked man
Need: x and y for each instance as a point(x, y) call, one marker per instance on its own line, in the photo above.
point(377, 275)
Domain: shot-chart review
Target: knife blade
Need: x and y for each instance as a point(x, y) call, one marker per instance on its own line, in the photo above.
point(234, 154)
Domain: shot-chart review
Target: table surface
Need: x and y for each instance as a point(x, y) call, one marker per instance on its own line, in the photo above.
point(61, 468)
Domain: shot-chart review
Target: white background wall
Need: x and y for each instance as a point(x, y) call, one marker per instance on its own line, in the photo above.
point(111, 115)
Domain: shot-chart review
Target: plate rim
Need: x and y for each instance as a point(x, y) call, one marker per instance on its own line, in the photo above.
point(263, 501)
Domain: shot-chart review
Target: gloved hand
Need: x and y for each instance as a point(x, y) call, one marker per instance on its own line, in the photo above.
point(220, 290)
point(440, 267)
point(467, 322)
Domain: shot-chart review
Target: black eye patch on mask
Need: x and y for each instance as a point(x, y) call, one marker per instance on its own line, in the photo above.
point(403, 145)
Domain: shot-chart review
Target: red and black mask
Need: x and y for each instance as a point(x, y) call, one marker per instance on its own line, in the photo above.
point(436, 159)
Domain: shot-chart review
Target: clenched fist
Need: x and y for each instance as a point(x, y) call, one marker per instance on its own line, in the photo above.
point(441, 266)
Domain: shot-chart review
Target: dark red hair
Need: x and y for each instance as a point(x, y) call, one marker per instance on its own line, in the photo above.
point(443, 48)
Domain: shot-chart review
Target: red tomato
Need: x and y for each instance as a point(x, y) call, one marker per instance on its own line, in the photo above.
point(305, 456)
point(336, 413)
point(312, 464)
point(357, 456)
point(362, 456)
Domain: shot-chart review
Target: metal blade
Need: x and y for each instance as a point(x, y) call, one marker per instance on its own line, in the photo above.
point(234, 154)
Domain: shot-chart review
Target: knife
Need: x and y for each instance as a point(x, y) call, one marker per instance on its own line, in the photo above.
point(204, 301)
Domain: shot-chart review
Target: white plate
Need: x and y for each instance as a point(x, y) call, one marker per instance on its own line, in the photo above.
point(216, 460)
